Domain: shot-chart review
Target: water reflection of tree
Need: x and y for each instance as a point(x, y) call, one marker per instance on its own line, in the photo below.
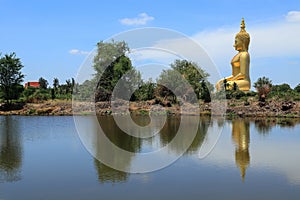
point(121, 140)
point(10, 150)
point(133, 144)
point(170, 130)
point(288, 122)
point(264, 126)
point(117, 136)
point(108, 174)
point(241, 137)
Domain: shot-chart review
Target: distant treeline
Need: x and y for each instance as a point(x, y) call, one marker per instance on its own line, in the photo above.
point(115, 77)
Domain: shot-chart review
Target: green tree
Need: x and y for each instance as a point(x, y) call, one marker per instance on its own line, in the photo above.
point(235, 86)
point(11, 77)
point(112, 65)
point(85, 91)
point(263, 86)
point(225, 84)
point(297, 88)
point(193, 74)
point(185, 70)
point(43, 83)
point(68, 86)
point(55, 83)
point(281, 88)
point(53, 94)
point(168, 81)
point(145, 92)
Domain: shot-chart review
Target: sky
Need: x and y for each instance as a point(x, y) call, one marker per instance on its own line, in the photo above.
point(53, 37)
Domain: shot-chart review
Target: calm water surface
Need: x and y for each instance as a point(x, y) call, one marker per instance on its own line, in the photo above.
point(43, 158)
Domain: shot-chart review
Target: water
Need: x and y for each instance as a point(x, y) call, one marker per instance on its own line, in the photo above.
point(43, 158)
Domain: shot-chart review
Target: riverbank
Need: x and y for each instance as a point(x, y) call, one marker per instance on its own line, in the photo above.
point(250, 108)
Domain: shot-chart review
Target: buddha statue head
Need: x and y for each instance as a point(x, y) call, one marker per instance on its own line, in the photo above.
point(242, 39)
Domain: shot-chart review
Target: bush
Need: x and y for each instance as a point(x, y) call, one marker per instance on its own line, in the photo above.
point(34, 95)
point(263, 86)
point(297, 88)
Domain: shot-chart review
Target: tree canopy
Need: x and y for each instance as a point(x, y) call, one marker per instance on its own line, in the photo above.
point(263, 86)
point(181, 71)
point(112, 65)
point(43, 83)
point(11, 77)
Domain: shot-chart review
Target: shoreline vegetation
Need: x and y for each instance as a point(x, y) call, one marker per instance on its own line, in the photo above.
point(184, 83)
point(235, 108)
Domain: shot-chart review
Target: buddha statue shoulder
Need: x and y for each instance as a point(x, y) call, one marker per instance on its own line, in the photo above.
point(240, 63)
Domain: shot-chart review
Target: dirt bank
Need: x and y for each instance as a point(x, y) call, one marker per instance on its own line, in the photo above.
point(250, 108)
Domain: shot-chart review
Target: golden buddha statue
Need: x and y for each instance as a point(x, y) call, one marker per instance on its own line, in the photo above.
point(240, 63)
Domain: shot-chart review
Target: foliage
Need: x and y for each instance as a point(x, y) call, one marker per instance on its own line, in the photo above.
point(225, 84)
point(284, 92)
point(263, 86)
point(43, 83)
point(127, 85)
point(55, 83)
point(235, 94)
point(27, 93)
point(86, 90)
point(35, 95)
point(170, 80)
point(10, 77)
point(193, 74)
point(281, 88)
point(112, 65)
point(63, 91)
point(235, 86)
point(107, 53)
point(297, 88)
point(180, 77)
point(145, 92)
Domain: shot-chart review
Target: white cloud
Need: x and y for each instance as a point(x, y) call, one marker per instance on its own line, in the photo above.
point(273, 45)
point(78, 52)
point(293, 16)
point(270, 39)
point(142, 19)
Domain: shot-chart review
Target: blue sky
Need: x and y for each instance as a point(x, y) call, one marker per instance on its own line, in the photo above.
point(52, 37)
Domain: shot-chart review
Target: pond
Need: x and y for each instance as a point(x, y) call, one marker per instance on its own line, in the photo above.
point(45, 158)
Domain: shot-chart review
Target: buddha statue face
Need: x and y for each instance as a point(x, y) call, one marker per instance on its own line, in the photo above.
point(238, 44)
point(242, 39)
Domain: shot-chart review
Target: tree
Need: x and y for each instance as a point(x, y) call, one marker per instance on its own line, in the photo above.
point(281, 88)
point(263, 86)
point(189, 71)
point(55, 83)
point(112, 65)
point(53, 93)
point(144, 92)
point(169, 80)
point(225, 84)
point(297, 88)
point(68, 86)
point(193, 74)
point(43, 83)
point(11, 77)
point(235, 86)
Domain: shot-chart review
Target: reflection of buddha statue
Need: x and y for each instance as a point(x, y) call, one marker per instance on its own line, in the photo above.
point(241, 137)
point(240, 63)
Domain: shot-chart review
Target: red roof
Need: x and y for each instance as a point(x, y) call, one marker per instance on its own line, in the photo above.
point(32, 84)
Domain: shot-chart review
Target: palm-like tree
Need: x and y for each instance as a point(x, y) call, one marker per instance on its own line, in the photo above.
point(55, 83)
point(263, 86)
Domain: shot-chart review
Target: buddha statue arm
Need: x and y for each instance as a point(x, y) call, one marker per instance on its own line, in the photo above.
point(229, 78)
